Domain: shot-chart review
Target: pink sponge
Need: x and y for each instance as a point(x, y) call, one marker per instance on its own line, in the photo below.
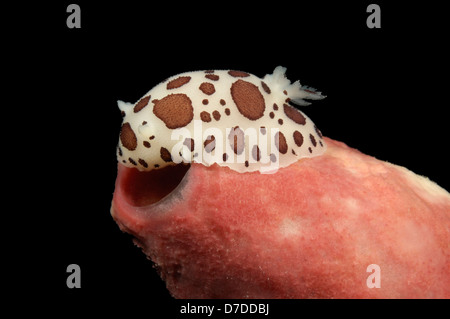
point(309, 231)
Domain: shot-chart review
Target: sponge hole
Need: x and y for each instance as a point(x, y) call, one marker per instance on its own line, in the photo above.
point(146, 188)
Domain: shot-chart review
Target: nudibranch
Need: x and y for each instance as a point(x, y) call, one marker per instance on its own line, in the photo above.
point(231, 118)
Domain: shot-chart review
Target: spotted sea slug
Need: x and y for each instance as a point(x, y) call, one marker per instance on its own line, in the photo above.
point(231, 118)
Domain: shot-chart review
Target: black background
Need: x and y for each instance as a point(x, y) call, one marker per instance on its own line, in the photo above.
point(385, 97)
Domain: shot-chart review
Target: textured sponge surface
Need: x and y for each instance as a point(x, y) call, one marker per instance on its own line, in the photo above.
point(308, 231)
